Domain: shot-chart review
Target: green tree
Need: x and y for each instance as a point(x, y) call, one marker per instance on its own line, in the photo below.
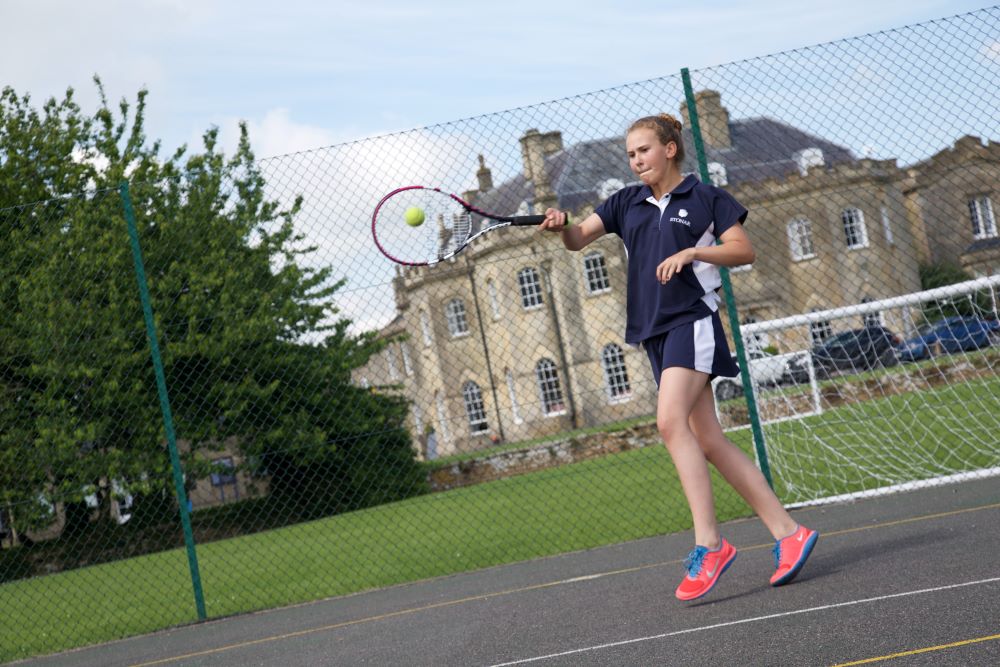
point(941, 274)
point(256, 355)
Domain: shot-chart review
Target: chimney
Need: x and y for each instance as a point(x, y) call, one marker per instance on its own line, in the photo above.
point(713, 119)
point(535, 147)
point(484, 176)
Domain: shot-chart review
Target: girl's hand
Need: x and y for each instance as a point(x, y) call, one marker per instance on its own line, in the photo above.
point(672, 265)
point(555, 220)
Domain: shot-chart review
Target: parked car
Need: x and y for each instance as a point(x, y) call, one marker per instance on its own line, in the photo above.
point(952, 334)
point(856, 350)
point(767, 370)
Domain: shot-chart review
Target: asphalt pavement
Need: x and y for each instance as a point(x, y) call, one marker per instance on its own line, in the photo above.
point(911, 579)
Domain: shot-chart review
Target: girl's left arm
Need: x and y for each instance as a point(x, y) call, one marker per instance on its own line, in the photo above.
point(734, 250)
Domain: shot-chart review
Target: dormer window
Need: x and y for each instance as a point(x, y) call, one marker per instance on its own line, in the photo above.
point(807, 158)
point(717, 174)
point(607, 188)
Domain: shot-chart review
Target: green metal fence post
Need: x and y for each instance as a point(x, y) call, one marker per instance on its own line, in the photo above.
point(161, 387)
point(727, 288)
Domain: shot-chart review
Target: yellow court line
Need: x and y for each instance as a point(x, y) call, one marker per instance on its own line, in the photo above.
point(534, 587)
point(903, 654)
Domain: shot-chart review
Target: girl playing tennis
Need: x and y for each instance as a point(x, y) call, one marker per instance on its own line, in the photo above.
point(669, 226)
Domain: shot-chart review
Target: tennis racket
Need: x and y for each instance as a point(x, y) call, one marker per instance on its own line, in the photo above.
point(449, 224)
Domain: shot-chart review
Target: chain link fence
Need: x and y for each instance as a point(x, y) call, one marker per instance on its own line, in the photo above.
point(220, 397)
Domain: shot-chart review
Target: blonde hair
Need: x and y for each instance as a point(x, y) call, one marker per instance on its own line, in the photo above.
point(667, 129)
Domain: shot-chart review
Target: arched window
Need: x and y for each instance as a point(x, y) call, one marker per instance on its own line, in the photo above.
point(531, 287)
point(800, 239)
point(454, 311)
point(596, 273)
point(474, 409)
point(615, 374)
point(854, 228)
point(549, 389)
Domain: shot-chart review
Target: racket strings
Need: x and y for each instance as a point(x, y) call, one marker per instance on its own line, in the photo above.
point(447, 226)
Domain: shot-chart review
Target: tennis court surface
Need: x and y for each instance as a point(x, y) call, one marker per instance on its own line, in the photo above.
point(907, 579)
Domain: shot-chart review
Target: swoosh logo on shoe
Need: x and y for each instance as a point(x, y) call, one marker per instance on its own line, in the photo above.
point(711, 573)
point(800, 536)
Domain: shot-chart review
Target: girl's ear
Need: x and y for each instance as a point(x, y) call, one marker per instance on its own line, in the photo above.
point(671, 150)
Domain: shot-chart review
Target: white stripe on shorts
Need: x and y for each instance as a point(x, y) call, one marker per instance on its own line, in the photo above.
point(704, 345)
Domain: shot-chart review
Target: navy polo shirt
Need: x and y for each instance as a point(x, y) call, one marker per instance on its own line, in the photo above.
point(696, 214)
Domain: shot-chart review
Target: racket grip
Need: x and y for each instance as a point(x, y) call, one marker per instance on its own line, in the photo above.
point(519, 220)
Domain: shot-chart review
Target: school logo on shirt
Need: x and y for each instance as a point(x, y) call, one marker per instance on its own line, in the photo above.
point(683, 214)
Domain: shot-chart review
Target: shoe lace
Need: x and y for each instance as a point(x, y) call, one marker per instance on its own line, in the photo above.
point(776, 550)
point(694, 561)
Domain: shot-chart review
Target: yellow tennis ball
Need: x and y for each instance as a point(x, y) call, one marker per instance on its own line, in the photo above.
point(414, 216)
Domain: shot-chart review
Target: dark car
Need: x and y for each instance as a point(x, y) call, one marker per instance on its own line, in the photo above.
point(856, 350)
point(952, 334)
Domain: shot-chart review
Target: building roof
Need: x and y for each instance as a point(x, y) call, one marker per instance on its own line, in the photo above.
point(587, 173)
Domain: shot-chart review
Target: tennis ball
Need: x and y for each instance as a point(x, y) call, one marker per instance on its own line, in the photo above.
point(414, 216)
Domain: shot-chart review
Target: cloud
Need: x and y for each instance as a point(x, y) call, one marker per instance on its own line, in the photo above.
point(992, 51)
point(273, 134)
point(341, 184)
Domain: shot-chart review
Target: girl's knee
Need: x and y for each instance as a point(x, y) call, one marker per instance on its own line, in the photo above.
point(666, 425)
point(672, 428)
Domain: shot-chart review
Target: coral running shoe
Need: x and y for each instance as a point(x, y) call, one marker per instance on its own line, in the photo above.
point(790, 554)
point(704, 568)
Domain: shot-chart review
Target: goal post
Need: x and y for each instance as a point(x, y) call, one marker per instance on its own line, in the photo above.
point(880, 396)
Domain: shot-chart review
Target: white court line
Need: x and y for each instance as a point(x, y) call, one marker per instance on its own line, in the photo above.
point(747, 620)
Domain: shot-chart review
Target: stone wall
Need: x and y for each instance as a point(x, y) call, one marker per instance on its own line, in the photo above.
point(541, 456)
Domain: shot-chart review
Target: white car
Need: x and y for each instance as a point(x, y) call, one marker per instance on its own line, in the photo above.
point(766, 370)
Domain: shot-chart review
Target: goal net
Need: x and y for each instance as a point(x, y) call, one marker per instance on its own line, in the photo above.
point(878, 397)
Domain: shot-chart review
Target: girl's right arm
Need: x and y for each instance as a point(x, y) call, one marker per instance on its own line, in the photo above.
point(574, 237)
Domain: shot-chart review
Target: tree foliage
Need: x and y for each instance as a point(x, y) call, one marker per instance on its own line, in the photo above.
point(942, 274)
point(257, 358)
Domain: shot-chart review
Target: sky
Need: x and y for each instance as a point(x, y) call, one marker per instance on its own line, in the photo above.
point(307, 73)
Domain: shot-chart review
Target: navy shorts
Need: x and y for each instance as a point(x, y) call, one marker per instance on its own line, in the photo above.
point(700, 345)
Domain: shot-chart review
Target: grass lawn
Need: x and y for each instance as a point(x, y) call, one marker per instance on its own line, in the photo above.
point(602, 501)
point(596, 502)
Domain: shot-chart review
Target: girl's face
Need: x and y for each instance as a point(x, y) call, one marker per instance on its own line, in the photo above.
point(647, 157)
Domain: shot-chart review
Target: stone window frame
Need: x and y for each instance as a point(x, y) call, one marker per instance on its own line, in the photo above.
point(475, 408)
point(616, 382)
point(982, 217)
point(799, 230)
point(549, 388)
point(855, 230)
point(595, 272)
point(455, 314)
point(529, 282)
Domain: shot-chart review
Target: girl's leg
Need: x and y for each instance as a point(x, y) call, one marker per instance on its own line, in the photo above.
point(736, 467)
point(680, 389)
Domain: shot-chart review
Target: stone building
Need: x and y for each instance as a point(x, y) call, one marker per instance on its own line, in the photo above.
point(517, 338)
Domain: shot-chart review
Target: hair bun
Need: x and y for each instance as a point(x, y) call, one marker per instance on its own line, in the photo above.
point(674, 123)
